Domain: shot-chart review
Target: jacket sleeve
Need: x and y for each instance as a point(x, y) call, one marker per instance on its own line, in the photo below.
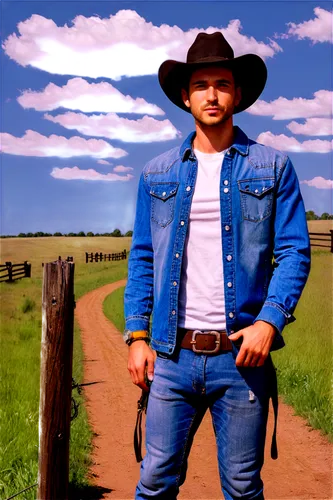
point(291, 252)
point(138, 297)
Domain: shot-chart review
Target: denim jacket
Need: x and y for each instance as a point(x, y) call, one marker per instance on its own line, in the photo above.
point(265, 241)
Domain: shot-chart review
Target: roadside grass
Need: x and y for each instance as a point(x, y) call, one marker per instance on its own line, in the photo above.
point(304, 366)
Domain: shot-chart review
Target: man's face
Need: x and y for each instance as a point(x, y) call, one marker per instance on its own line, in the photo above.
point(212, 95)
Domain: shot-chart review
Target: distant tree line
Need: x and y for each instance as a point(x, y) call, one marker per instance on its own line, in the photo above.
point(310, 215)
point(39, 234)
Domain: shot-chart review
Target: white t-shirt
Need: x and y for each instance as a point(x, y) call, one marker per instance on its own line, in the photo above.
point(201, 294)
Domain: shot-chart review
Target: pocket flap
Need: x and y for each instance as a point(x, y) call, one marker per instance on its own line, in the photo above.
point(257, 187)
point(165, 190)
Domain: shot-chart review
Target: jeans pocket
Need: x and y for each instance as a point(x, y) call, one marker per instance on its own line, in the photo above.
point(163, 197)
point(256, 196)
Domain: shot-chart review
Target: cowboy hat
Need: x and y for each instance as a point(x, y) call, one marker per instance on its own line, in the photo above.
point(249, 70)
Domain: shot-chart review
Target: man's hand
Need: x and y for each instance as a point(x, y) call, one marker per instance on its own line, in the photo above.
point(257, 341)
point(141, 358)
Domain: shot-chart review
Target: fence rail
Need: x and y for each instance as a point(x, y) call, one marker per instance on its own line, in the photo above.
point(326, 237)
point(10, 272)
point(100, 256)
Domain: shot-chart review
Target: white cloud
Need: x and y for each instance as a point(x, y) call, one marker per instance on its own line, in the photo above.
point(75, 173)
point(291, 144)
point(124, 44)
point(104, 162)
point(318, 29)
point(112, 126)
point(35, 144)
point(79, 94)
point(285, 109)
point(319, 183)
point(121, 168)
point(312, 126)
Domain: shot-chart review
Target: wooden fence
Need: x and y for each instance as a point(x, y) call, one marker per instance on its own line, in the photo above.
point(325, 237)
point(10, 272)
point(99, 256)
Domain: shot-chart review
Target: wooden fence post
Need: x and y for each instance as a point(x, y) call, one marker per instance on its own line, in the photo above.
point(27, 269)
point(10, 271)
point(55, 380)
point(331, 231)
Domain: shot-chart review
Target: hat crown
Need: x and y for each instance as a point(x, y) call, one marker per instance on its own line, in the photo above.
point(209, 46)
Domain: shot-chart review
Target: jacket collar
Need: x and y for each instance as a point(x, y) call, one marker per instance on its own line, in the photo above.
point(241, 144)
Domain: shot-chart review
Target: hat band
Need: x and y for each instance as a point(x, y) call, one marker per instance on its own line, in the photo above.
point(208, 59)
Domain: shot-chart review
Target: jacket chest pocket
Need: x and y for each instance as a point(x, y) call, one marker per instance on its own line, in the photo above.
point(163, 197)
point(256, 196)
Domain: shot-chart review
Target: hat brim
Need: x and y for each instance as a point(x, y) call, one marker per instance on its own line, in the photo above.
point(249, 71)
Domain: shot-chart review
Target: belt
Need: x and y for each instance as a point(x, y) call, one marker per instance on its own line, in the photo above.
point(206, 342)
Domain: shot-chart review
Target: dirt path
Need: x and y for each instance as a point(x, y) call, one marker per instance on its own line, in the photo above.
point(303, 470)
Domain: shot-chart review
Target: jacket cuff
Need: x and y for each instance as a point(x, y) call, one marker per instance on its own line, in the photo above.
point(274, 314)
point(137, 323)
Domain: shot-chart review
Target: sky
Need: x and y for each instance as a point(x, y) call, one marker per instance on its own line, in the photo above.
point(82, 110)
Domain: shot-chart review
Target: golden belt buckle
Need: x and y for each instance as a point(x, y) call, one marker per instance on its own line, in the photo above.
point(205, 351)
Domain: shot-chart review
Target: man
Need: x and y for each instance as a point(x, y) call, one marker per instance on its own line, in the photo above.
point(221, 251)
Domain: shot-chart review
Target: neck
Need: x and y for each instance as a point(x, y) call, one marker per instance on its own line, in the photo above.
point(210, 139)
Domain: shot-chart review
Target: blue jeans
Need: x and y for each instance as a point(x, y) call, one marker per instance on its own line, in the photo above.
point(184, 387)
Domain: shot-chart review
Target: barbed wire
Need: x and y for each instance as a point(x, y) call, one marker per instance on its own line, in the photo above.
point(22, 491)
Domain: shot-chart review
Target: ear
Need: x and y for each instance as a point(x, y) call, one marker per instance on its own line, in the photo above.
point(185, 98)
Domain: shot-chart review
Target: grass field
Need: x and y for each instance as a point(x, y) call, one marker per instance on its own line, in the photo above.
point(304, 367)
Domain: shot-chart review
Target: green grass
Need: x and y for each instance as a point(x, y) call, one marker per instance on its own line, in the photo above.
point(305, 364)
point(113, 308)
point(20, 361)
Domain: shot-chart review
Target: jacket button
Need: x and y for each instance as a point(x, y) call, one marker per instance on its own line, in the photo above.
point(164, 193)
point(227, 228)
point(188, 188)
point(177, 255)
point(175, 283)
point(173, 312)
point(182, 223)
point(229, 257)
point(226, 190)
point(225, 182)
point(231, 315)
point(229, 284)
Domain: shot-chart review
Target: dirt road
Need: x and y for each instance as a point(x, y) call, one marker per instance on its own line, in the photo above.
point(302, 471)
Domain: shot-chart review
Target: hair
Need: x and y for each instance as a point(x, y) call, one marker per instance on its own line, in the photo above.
point(187, 73)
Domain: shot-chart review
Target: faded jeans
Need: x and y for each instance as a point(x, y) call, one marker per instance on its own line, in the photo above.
point(184, 387)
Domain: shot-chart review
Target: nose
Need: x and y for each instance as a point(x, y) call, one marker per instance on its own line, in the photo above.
point(211, 93)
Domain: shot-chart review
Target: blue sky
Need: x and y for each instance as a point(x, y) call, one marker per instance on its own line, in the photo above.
point(82, 110)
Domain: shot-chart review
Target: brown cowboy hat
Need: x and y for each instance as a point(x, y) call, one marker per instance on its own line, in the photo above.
point(249, 70)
